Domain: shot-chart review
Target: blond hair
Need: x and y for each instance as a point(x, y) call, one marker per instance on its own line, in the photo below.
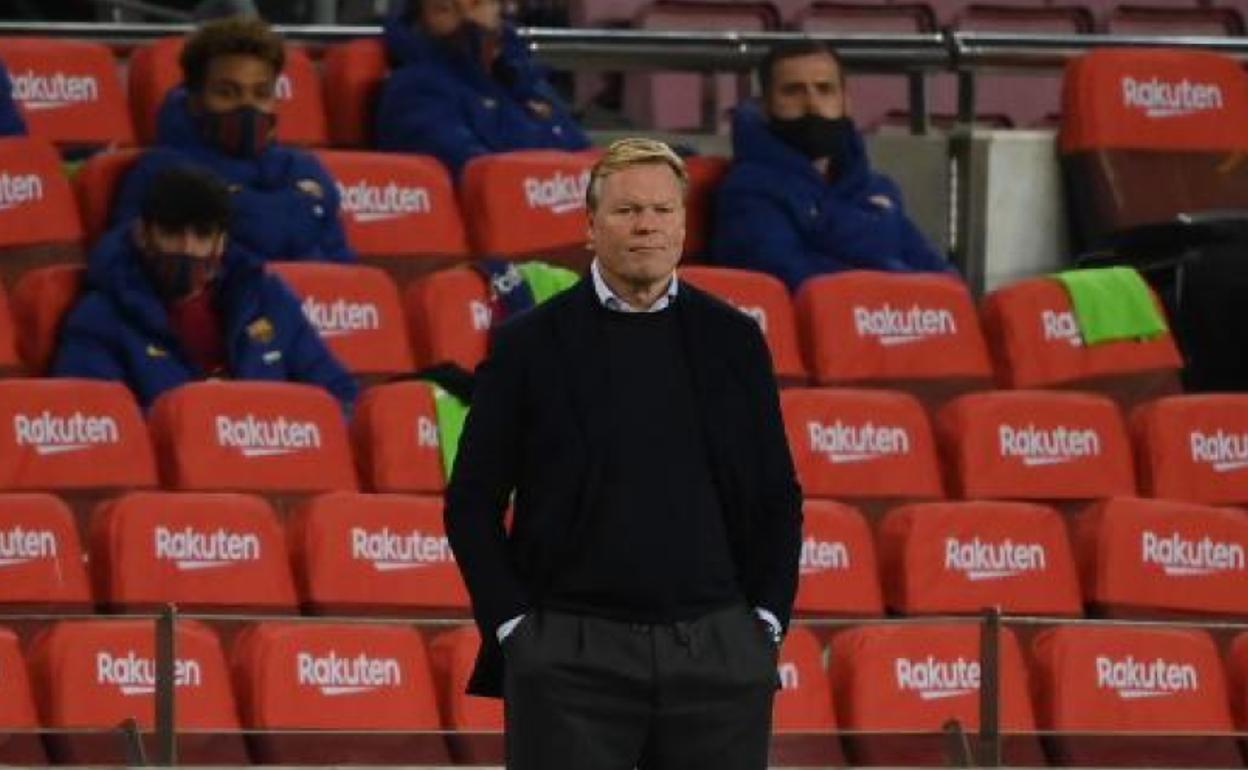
point(634, 151)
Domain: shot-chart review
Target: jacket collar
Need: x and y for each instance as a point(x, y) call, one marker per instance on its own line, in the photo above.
point(754, 141)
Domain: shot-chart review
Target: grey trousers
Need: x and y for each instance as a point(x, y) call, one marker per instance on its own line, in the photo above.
point(585, 693)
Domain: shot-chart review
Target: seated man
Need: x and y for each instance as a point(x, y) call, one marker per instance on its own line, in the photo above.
point(464, 85)
point(800, 198)
point(170, 300)
point(11, 122)
point(285, 205)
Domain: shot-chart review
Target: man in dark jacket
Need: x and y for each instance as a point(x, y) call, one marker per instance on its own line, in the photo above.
point(800, 198)
point(223, 117)
point(11, 121)
point(631, 616)
point(170, 301)
point(463, 85)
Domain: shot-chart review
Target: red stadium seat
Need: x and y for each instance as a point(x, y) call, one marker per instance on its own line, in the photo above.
point(154, 69)
point(395, 436)
point(528, 204)
point(92, 674)
point(946, 558)
point(353, 74)
point(399, 211)
point(1104, 680)
point(357, 311)
point(68, 91)
point(17, 708)
point(273, 437)
point(41, 562)
point(705, 173)
point(452, 654)
point(95, 184)
point(837, 573)
point(1237, 679)
point(1145, 557)
point(359, 678)
point(903, 682)
point(764, 298)
point(803, 721)
point(448, 316)
point(9, 361)
point(215, 552)
point(1035, 445)
point(918, 332)
point(1194, 448)
point(361, 554)
point(41, 300)
point(39, 222)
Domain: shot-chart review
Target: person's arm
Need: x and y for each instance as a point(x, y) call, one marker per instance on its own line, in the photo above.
point(85, 348)
point(309, 359)
point(332, 245)
point(416, 113)
point(11, 121)
point(916, 251)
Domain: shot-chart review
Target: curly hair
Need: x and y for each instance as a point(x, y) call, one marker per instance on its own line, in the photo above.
point(247, 35)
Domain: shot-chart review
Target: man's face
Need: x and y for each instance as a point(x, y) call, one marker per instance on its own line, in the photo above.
point(637, 230)
point(810, 84)
point(486, 13)
point(163, 248)
point(238, 80)
point(439, 18)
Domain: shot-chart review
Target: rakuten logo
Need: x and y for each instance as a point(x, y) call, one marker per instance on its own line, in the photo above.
point(559, 193)
point(426, 433)
point(789, 678)
point(21, 546)
point(377, 203)
point(902, 327)
point(1132, 679)
point(1036, 447)
point(1162, 99)
point(254, 437)
point(190, 550)
point(54, 90)
point(980, 560)
point(1061, 327)
point(1225, 452)
point(389, 551)
point(283, 90)
point(134, 675)
point(341, 317)
point(1178, 557)
point(480, 315)
point(19, 189)
point(936, 679)
point(857, 443)
point(53, 434)
point(335, 675)
point(822, 555)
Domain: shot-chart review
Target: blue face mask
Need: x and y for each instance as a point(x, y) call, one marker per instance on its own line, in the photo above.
point(243, 132)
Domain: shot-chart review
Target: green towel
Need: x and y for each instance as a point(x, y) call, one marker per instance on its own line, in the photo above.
point(1112, 303)
point(451, 413)
point(545, 281)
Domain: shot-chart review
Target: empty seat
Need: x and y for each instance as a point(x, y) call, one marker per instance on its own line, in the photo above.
point(39, 222)
point(41, 563)
point(399, 211)
point(396, 439)
point(1160, 684)
point(1193, 448)
point(914, 331)
point(765, 299)
point(1035, 343)
point(837, 571)
point(705, 173)
point(1237, 679)
point(1163, 557)
point(41, 300)
point(1035, 445)
point(154, 69)
point(528, 204)
point(803, 720)
point(353, 73)
point(202, 551)
point(1174, 20)
point(355, 678)
point(95, 184)
point(940, 558)
point(449, 317)
point(9, 362)
point(357, 312)
point(17, 708)
point(361, 554)
point(68, 91)
point(452, 654)
point(903, 682)
point(274, 437)
point(92, 674)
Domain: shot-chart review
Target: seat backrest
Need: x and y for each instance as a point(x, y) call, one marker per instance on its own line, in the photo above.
point(40, 557)
point(9, 360)
point(362, 553)
point(357, 312)
point(95, 184)
point(198, 550)
point(17, 704)
point(1237, 678)
point(68, 90)
point(941, 558)
point(448, 317)
point(452, 655)
point(804, 700)
point(39, 221)
point(353, 73)
point(764, 298)
point(705, 173)
point(1193, 447)
point(41, 300)
point(396, 440)
point(1035, 445)
point(1213, 21)
point(71, 434)
point(837, 574)
point(275, 437)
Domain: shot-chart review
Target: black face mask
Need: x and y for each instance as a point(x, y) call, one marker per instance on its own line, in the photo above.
point(175, 276)
point(243, 132)
point(816, 136)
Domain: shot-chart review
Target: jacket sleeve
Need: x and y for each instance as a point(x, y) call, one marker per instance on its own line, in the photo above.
point(85, 348)
point(332, 246)
point(485, 474)
point(917, 252)
point(310, 359)
point(11, 122)
point(417, 114)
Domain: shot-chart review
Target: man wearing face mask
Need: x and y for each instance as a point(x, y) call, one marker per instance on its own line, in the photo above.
point(800, 198)
point(170, 300)
point(223, 118)
point(464, 85)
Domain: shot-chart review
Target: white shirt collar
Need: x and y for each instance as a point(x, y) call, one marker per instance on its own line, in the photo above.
point(612, 301)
